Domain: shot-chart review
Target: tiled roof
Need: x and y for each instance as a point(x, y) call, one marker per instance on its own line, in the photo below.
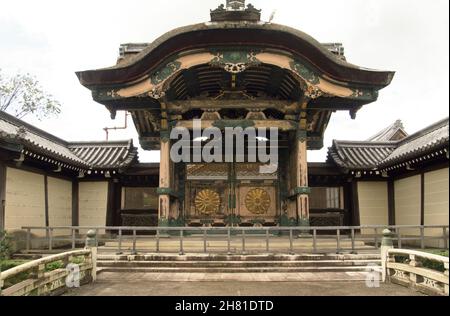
point(105, 155)
point(86, 155)
point(375, 155)
point(433, 137)
point(393, 132)
point(360, 155)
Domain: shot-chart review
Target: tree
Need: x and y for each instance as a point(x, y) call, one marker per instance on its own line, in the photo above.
point(21, 95)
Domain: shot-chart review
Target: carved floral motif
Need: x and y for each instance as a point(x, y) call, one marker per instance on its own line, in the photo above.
point(258, 201)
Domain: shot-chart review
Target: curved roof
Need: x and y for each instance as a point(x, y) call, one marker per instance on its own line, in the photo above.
point(376, 155)
point(84, 155)
point(231, 34)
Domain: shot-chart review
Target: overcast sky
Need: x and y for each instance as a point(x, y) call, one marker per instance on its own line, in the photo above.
point(53, 39)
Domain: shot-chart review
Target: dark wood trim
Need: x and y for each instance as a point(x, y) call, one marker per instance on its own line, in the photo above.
point(75, 203)
point(47, 217)
point(419, 171)
point(391, 202)
point(117, 204)
point(2, 194)
point(110, 212)
point(422, 199)
point(39, 171)
point(355, 204)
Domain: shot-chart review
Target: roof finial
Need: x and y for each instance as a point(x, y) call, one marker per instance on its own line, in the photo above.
point(235, 5)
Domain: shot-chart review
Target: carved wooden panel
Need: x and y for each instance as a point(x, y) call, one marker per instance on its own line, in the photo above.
point(257, 201)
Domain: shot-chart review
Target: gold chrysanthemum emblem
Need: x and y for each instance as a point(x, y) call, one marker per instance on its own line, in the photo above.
point(257, 201)
point(207, 202)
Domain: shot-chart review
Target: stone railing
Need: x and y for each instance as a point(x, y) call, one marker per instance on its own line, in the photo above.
point(72, 269)
point(405, 267)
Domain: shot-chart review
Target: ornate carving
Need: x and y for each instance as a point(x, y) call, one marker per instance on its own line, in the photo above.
point(207, 202)
point(258, 201)
point(156, 94)
point(165, 72)
point(313, 92)
point(235, 61)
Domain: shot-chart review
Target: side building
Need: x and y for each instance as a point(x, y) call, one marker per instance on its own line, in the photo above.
point(391, 179)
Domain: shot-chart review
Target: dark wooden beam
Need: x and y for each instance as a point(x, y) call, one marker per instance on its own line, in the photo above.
point(391, 202)
point(75, 203)
point(355, 204)
point(2, 194)
point(117, 203)
point(237, 104)
point(110, 208)
point(47, 217)
point(422, 198)
point(192, 85)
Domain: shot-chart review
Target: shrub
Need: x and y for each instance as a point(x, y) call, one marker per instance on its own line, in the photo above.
point(5, 245)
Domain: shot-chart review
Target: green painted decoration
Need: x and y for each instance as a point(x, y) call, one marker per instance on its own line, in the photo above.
point(304, 72)
point(302, 191)
point(235, 61)
point(302, 135)
point(222, 124)
point(165, 72)
point(165, 136)
point(166, 191)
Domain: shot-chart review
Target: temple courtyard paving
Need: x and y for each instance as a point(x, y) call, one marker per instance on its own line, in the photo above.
point(237, 284)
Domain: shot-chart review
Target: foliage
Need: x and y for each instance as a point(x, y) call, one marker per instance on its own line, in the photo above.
point(5, 246)
point(21, 95)
point(54, 266)
point(9, 264)
point(429, 264)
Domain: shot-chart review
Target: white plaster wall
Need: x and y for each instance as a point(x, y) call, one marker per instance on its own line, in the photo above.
point(60, 204)
point(436, 200)
point(93, 197)
point(373, 204)
point(408, 203)
point(25, 200)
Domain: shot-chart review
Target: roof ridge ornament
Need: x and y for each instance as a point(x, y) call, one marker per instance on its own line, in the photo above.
point(235, 10)
point(235, 5)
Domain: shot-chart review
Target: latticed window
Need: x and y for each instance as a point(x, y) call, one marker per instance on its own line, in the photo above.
point(326, 198)
point(139, 198)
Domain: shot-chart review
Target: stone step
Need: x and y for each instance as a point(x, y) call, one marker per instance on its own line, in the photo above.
point(235, 270)
point(217, 257)
point(237, 264)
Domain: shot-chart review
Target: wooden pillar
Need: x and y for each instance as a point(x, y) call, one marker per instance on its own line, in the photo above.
point(2, 194)
point(302, 189)
point(422, 199)
point(164, 182)
point(356, 220)
point(110, 204)
point(75, 204)
point(391, 202)
point(46, 206)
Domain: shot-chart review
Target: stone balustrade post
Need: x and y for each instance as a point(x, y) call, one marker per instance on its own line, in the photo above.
point(91, 244)
point(386, 244)
point(414, 278)
point(447, 275)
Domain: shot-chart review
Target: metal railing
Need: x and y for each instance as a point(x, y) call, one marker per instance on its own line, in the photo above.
point(234, 240)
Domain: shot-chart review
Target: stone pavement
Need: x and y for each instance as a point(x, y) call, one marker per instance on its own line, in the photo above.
point(236, 284)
